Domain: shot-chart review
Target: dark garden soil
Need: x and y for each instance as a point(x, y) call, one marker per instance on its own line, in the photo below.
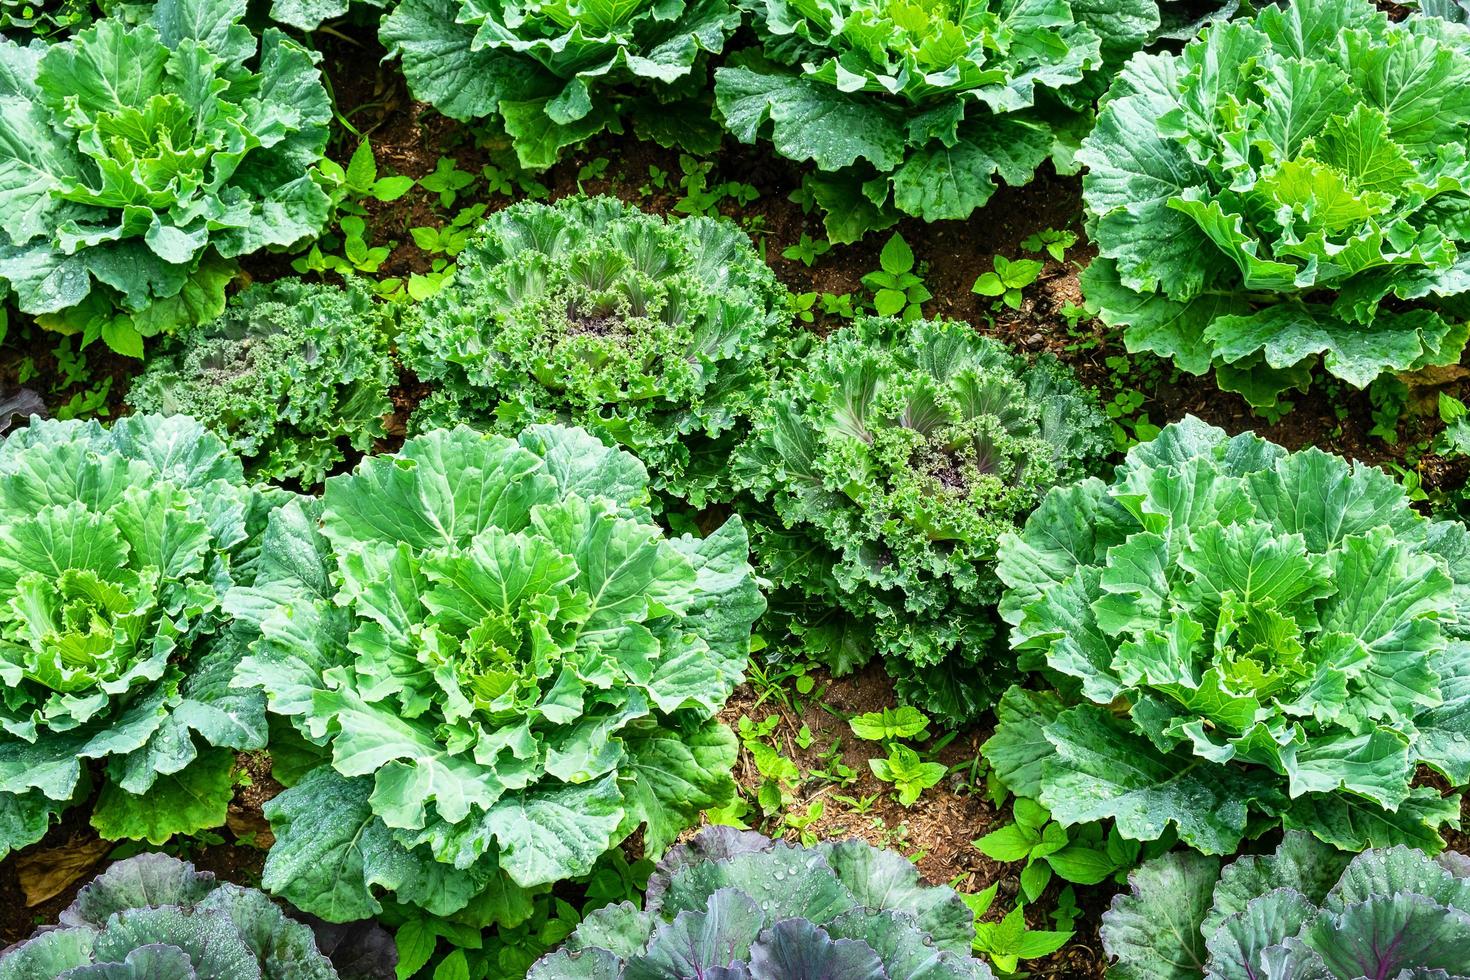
point(937, 831)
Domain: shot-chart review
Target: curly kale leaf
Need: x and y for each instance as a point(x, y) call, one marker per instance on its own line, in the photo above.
point(554, 73)
point(897, 457)
point(140, 157)
point(1287, 192)
point(661, 337)
point(287, 375)
point(1304, 911)
point(732, 904)
point(1247, 637)
point(511, 667)
point(116, 547)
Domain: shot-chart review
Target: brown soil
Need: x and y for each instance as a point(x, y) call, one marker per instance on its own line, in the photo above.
point(937, 831)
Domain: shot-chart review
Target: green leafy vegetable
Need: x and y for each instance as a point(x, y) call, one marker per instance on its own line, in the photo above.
point(915, 107)
point(140, 157)
point(893, 460)
point(1270, 199)
point(657, 336)
point(44, 18)
point(1304, 911)
point(555, 73)
point(116, 547)
point(733, 904)
point(508, 663)
point(153, 917)
point(287, 375)
point(1246, 637)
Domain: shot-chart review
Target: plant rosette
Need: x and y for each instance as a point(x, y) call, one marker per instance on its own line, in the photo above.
point(503, 666)
point(1243, 637)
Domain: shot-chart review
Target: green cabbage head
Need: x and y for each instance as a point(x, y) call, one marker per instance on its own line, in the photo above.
point(153, 917)
point(1244, 637)
point(737, 906)
point(507, 666)
point(116, 548)
point(916, 106)
point(1289, 191)
point(659, 336)
point(1305, 911)
point(554, 72)
point(141, 157)
point(891, 463)
point(289, 375)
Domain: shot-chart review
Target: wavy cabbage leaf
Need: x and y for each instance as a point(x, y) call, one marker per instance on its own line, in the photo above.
point(116, 548)
point(141, 157)
point(153, 917)
point(895, 459)
point(1287, 192)
point(288, 375)
point(660, 337)
point(508, 665)
point(1247, 637)
point(733, 904)
point(1305, 910)
point(916, 108)
point(554, 73)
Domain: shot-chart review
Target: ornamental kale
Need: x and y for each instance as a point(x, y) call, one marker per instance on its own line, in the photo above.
point(153, 917)
point(657, 336)
point(555, 73)
point(141, 156)
point(1304, 911)
point(732, 904)
point(1246, 637)
point(510, 666)
point(289, 374)
point(898, 457)
point(1288, 190)
point(914, 107)
point(116, 547)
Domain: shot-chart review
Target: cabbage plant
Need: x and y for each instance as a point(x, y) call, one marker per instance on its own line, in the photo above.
point(289, 375)
point(153, 917)
point(915, 108)
point(141, 157)
point(554, 73)
point(116, 547)
point(891, 462)
point(507, 666)
point(659, 336)
point(1244, 637)
point(733, 904)
point(1305, 910)
point(1288, 191)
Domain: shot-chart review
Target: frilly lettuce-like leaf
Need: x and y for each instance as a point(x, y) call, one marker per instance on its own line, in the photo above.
point(1304, 911)
point(732, 904)
point(661, 337)
point(919, 108)
point(1287, 192)
point(555, 73)
point(895, 459)
point(289, 373)
point(140, 157)
point(511, 666)
point(1244, 637)
point(154, 917)
point(116, 548)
